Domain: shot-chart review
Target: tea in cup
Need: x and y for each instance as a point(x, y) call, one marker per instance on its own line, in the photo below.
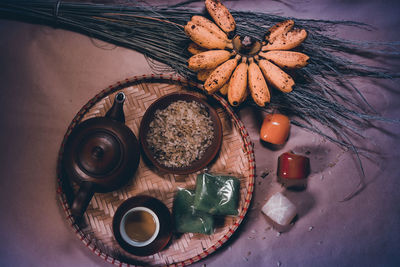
point(139, 226)
point(142, 225)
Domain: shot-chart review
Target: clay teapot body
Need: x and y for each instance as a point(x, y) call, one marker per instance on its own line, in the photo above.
point(101, 155)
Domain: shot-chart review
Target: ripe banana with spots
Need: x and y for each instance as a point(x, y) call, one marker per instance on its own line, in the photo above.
point(279, 29)
point(205, 38)
point(286, 41)
point(202, 75)
point(257, 85)
point(220, 75)
point(208, 60)
point(221, 15)
point(237, 90)
point(286, 59)
point(208, 24)
point(275, 76)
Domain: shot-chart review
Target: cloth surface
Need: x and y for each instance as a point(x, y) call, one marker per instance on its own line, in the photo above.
point(48, 74)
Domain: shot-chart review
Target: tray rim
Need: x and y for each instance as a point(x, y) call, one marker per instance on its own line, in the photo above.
point(248, 145)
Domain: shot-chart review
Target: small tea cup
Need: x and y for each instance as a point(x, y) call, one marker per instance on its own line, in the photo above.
point(142, 225)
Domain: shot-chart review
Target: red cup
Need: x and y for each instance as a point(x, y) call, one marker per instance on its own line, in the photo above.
point(293, 166)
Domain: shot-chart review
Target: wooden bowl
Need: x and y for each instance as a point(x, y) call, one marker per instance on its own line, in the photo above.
point(209, 154)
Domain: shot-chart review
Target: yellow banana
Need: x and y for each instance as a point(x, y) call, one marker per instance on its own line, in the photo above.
point(220, 75)
point(221, 15)
point(204, 38)
point(276, 77)
point(208, 24)
point(208, 60)
point(237, 89)
point(286, 41)
point(286, 59)
point(257, 85)
point(279, 29)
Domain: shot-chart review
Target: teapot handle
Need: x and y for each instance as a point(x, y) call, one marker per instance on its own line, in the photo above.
point(82, 199)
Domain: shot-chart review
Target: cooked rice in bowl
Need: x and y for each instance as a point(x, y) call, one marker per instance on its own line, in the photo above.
point(180, 134)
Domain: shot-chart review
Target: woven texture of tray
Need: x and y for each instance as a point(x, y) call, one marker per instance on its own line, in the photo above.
point(236, 157)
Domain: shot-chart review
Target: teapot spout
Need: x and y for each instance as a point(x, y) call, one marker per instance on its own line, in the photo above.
point(116, 112)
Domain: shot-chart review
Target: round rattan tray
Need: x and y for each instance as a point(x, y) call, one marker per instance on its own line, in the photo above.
point(235, 157)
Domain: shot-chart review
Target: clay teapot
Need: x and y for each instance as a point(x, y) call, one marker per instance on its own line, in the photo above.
point(101, 155)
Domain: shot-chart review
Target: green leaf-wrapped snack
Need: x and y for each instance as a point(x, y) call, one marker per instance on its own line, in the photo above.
point(187, 219)
point(217, 194)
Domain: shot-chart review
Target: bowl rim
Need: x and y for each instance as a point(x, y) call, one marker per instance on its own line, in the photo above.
point(210, 153)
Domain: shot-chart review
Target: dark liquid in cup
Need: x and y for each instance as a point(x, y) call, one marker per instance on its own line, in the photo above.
point(140, 225)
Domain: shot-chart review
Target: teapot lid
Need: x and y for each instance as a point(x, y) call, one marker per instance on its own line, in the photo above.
point(99, 152)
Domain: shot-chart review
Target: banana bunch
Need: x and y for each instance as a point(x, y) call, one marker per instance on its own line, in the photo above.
point(238, 66)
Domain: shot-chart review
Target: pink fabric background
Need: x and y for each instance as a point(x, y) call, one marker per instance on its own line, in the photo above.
point(46, 76)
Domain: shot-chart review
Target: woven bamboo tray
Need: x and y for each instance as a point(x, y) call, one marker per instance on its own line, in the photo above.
point(236, 156)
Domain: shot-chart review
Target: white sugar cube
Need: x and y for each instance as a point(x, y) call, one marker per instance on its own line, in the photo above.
point(279, 209)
